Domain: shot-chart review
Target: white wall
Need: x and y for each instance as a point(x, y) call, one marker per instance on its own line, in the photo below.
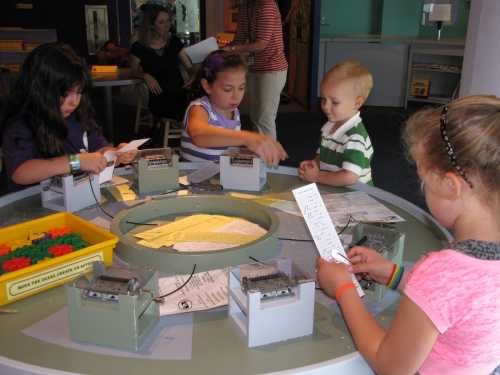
point(481, 67)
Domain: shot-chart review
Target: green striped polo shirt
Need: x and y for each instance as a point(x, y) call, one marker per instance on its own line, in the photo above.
point(349, 148)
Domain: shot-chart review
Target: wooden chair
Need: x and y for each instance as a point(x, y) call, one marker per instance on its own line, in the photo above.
point(171, 129)
point(168, 128)
point(143, 117)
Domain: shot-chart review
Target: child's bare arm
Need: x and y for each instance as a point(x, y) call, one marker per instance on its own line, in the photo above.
point(206, 135)
point(388, 352)
point(385, 350)
point(339, 178)
point(309, 171)
point(36, 170)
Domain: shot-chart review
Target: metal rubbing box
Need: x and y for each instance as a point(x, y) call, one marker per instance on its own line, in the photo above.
point(157, 170)
point(52, 272)
point(70, 192)
point(241, 169)
point(115, 307)
point(388, 242)
point(270, 302)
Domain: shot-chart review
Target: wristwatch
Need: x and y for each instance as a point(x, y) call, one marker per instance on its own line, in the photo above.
point(74, 162)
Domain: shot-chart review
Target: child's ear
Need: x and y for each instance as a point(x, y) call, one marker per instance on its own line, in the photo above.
point(205, 85)
point(453, 185)
point(359, 101)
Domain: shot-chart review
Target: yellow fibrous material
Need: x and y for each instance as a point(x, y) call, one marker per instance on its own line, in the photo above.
point(122, 192)
point(197, 228)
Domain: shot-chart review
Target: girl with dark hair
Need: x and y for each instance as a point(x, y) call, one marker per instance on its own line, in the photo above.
point(155, 57)
point(212, 122)
point(49, 126)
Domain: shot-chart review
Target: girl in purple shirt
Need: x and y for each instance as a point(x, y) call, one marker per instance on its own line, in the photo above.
point(49, 127)
point(448, 319)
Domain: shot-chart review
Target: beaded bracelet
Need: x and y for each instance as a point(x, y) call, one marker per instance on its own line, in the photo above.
point(396, 276)
point(341, 289)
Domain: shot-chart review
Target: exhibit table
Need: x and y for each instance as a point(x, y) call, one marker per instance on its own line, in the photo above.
point(210, 342)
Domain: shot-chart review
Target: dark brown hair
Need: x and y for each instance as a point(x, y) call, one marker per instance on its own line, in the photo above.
point(146, 30)
point(214, 63)
point(48, 73)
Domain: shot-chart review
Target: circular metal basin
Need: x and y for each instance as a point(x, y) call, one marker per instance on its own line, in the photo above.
point(169, 260)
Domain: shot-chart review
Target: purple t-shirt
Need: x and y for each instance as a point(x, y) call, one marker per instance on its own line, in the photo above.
point(19, 145)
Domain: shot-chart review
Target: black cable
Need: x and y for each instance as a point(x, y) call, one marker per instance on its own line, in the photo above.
point(97, 201)
point(139, 223)
point(179, 288)
point(112, 217)
point(295, 239)
point(255, 259)
point(349, 219)
point(181, 187)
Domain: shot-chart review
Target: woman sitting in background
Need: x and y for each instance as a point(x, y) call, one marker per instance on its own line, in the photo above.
point(155, 57)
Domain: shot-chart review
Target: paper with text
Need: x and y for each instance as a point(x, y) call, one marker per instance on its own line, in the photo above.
point(321, 227)
point(319, 223)
point(205, 291)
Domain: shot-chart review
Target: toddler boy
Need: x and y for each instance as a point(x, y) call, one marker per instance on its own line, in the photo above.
point(345, 152)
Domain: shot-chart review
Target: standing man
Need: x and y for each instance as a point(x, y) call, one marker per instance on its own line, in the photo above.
point(260, 35)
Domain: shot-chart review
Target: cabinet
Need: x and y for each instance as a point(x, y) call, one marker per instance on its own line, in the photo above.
point(434, 73)
point(17, 43)
point(387, 61)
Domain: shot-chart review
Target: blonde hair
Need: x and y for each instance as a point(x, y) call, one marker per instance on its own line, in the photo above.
point(352, 70)
point(473, 130)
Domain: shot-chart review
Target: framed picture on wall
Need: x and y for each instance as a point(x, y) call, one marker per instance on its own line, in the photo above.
point(96, 21)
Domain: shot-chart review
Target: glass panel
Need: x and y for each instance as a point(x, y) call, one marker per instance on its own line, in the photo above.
point(187, 17)
point(188, 20)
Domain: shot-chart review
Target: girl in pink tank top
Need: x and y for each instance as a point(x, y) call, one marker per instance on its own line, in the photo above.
point(448, 319)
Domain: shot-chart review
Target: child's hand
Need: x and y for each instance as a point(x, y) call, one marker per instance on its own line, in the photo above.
point(93, 162)
point(368, 262)
point(267, 148)
point(309, 171)
point(152, 84)
point(125, 157)
point(331, 275)
point(303, 165)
